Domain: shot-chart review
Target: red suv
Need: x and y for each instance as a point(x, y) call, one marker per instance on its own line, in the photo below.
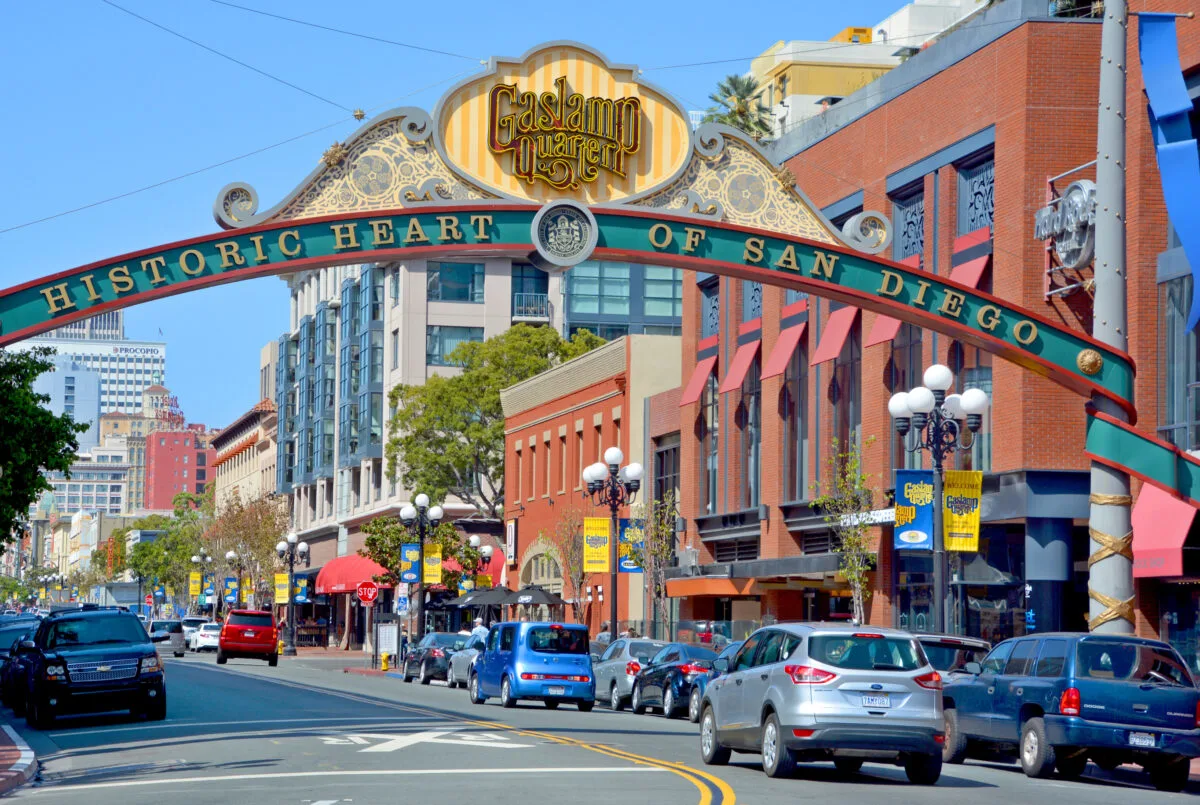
point(249, 633)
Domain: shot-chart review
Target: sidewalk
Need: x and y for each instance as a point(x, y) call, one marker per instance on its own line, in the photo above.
point(18, 764)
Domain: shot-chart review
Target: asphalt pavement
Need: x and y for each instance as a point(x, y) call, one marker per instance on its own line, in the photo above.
point(306, 733)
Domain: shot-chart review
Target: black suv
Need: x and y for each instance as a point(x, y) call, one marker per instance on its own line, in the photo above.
point(92, 660)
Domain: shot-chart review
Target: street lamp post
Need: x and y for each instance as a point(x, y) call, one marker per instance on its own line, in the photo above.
point(425, 519)
point(201, 560)
point(610, 484)
point(289, 550)
point(934, 419)
point(235, 560)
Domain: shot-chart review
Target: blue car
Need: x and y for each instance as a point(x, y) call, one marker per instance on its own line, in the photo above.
point(1057, 700)
point(547, 662)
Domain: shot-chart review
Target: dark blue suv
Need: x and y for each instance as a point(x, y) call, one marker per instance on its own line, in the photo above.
point(1058, 699)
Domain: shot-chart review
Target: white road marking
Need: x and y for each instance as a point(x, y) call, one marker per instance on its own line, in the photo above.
point(539, 770)
point(26, 756)
point(178, 724)
point(390, 743)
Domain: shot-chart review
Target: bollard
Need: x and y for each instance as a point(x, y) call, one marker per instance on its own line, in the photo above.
point(384, 664)
point(279, 648)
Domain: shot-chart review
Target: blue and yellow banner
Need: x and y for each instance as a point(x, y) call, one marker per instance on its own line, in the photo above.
point(914, 510)
point(595, 545)
point(632, 536)
point(410, 563)
point(961, 494)
point(432, 573)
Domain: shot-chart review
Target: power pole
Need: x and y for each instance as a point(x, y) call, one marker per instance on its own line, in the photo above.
point(1110, 582)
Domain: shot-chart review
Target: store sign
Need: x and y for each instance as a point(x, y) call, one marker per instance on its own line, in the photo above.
point(961, 497)
point(1070, 221)
point(595, 545)
point(510, 542)
point(914, 510)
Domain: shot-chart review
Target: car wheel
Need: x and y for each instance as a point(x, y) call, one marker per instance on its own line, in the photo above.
point(473, 689)
point(636, 704)
point(847, 765)
point(273, 660)
point(178, 654)
point(221, 658)
point(694, 706)
point(1070, 765)
point(711, 751)
point(551, 704)
point(404, 675)
point(1170, 775)
point(424, 678)
point(506, 697)
point(923, 769)
point(777, 759)
point(156, 709)
point(954, 750)
point(586, 706)
point(450, 680)
point(616, 702)
point(1037, 755)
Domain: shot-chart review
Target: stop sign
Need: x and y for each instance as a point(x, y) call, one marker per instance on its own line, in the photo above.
point(149, 599)
point(368, 591)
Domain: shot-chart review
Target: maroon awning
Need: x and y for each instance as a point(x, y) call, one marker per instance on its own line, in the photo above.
point(833, 337)
point(1161, 523)
point(785, 347)
point(344, 574)
point(740, 366)
point(695, 386)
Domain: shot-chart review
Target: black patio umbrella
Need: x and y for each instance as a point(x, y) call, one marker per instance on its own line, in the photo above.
point(480, 598)
point(533, 596)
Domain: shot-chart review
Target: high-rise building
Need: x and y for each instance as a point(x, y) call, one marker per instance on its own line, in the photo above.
point(98, 481)
point(175, 462)
point(101, 327)
point(75, 390)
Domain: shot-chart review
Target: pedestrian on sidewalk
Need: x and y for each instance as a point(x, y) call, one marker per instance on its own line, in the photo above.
point(480, 630)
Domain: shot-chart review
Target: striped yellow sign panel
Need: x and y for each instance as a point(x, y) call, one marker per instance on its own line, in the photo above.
point(562, 123)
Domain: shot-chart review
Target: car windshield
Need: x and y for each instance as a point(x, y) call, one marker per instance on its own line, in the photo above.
point(643, 650)
point(250, 619)
point(866, 652)
point(560, 640)
point(445, 639)
point(1130, 662)
point(93, 631)
point(171, 627)
point(11, 634)
point(193, 622)
point(698, 655)
point(948, 657)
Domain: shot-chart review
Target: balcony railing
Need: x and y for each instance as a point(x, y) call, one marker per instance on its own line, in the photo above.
point(530, 307)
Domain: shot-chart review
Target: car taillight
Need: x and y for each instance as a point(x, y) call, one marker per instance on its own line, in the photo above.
point(805, 675)
point(1198, 715)
point(553, 677)
point(633, 668)
point(690, 669)
point(1070, 704)
point(437, 652)
point(931, 680)
point(868, 635)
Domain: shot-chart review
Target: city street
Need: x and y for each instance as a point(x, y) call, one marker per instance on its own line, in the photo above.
point(307, 733)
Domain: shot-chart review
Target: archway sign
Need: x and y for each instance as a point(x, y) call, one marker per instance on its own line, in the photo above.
point(559, 156)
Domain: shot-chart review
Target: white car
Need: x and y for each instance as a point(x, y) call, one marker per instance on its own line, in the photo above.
point(190, 625)
point(205, 638)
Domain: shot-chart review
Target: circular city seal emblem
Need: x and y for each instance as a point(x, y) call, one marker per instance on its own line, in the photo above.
point(564, 234)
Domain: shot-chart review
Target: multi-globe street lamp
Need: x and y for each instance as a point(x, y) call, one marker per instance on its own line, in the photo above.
point(202, 561)
point(235, 560)
point(425, 520)
point(610, 484)
point(933, 417)
point(290, 549)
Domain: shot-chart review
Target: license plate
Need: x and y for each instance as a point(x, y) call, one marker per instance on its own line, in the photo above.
point(1145, 739)
point(556, 691)
point(248, 634)
point(878, 700)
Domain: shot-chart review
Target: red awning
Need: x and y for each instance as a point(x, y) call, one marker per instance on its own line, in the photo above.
point(833, 338)
point(1161, 523)
point(781, 355)
point(741, 365)
point(885, 327)
point(695, 386)
point(344, 574)
point(969, 271)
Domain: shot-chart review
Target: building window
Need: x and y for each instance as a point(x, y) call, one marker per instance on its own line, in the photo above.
point(376, 342)
point(1179, 404)
point(908, 216)
point(441, 341)
point(794, 402)
point(562, 465)
point(710, 310)
point(609, 332)
point(549, 475)
point(666, 469)
point(599, 288)
point(578, 459)
point(792, 296)
point(905, 372)
point(710, 428)
point(530, 279)
point(201, 459)
point(395, 349)
point(845, 392)
point(972, 369)
point(750, 416)
point(976, 196)
point(395, 287)
point(751, 300)
point(455, 282)
point(663, 295)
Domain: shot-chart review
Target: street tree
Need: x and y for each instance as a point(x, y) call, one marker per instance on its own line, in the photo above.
point(568, 543)
point(386, 536)
point(448, 434)
point(844, 504)
point(34, 439)
point(737, 104)
point(250, 528)
point(657, 521)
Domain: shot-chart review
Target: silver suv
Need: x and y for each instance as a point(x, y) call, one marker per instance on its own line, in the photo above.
point(814, 691)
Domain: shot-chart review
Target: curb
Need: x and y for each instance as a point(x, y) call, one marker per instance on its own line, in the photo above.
point(372, 672)
point(25, 767)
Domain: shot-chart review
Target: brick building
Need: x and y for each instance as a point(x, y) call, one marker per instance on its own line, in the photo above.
point(773, 380)
point(176, 462)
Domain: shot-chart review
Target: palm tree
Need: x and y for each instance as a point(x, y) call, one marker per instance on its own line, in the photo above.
point(738, 105)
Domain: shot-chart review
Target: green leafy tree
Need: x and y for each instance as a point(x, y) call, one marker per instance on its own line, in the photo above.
point(568, 543)
point(251, 528)
point(658, 540)
point(738, 106)
point(386, 535)
point(447, 437)
point(844, 503)
point(34, 440)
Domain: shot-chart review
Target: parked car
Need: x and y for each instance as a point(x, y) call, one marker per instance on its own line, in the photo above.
point(431, 657)
point(249, 633)
point(460, 662)
point(803, 692)
point(621, 661)
point(190, 625)
point(12, 633)
point(174, 631)
point(206, 638)
point(700, 683)
point(1057, 699)
point(92, 661)
point(548, 662)
point(596, 649)
point(950, 654)
point(668, 678)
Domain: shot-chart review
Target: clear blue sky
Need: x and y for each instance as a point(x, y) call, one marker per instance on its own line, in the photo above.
point(98, 103)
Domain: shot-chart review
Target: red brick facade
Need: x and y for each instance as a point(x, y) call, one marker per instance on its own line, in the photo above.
point(175, 462)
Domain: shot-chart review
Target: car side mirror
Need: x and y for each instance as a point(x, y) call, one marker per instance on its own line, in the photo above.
point(28, 645)
point(160, 637)
point(721, 665)
point(973, 668)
